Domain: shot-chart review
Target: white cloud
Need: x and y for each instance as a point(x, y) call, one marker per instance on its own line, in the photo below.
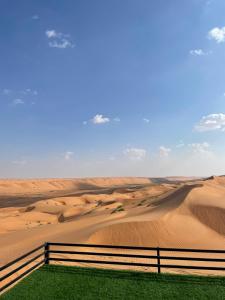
point(135, 154)
point(100, 119)
point(199, 52)
point(217, 34)
point(146, 120)
point(17, 102)
point(29, 92)
point(51, 33)
point(211, 122)
point(68, 155)
point(62, 44)
point(199, 147)
point(59, 39)
point(163, 151)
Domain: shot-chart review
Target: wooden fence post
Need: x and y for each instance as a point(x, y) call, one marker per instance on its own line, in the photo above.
point(46, 253)
point(158, 260)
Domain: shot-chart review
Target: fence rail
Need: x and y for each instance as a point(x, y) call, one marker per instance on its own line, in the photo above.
point(158, 257)
point(17, 268)
point(158, 260)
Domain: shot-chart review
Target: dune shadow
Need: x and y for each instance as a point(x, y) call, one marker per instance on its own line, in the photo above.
point(176, 197)
point(212, 217)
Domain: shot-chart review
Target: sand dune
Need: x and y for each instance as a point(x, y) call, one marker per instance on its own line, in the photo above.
point(24, 192)
point(30, 186)
point(191, 216)
point(130, 211)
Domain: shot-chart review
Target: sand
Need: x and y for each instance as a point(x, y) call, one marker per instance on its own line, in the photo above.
point(167, 212)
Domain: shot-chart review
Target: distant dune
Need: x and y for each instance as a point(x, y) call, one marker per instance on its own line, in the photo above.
point(169, 212)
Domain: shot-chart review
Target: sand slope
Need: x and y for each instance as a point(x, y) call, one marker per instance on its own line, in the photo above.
point(128, 211)
point(195, 217)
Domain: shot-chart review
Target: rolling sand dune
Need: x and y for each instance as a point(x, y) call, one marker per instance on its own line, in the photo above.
point(191, 216)
point(170, 212)
point(24, 192)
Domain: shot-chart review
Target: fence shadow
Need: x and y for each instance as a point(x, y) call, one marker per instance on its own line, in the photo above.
point(134, 275)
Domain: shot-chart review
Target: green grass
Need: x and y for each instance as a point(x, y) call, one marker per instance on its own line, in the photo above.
point(59, 282)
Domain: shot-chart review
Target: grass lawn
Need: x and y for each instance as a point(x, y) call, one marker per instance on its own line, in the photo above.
point(59, 282)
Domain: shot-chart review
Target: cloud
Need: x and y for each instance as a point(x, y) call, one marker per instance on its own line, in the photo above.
point(17, 102)
point(163, 151)
point(29, 92)
point(199, 52)
point(217, 34)
point(135, 154)
point(146, 120)
point(62, 44)
point(211, 122)
point(68, 155)
point(100, 119)
point(59, 39)
point(51, 33)
point(199, 147)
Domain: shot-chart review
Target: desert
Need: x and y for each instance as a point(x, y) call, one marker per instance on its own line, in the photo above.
point(166, 212)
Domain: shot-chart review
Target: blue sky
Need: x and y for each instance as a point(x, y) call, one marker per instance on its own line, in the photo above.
point(112, 88)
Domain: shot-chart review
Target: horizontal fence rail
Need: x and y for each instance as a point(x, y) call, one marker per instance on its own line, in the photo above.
point(135, 248)
point(14, 267)
point(153, 257)
point(153, 261)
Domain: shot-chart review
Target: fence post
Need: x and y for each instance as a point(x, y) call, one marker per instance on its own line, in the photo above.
point(46, 253)
point(158, 260)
